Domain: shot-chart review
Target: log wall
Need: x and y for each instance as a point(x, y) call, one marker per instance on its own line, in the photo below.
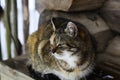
point(111, 14)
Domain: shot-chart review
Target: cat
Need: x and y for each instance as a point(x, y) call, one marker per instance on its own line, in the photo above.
point(61, 47)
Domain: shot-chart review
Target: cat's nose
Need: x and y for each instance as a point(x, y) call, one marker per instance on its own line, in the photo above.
point(53, 49)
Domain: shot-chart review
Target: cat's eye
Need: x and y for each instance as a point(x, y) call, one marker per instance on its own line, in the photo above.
point(71, 46)
point(60, 46)
point(73, 49)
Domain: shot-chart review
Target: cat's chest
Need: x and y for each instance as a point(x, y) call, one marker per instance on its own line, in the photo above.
point(68, 58)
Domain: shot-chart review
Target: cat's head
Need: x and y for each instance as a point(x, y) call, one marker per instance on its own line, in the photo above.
point(66, 41)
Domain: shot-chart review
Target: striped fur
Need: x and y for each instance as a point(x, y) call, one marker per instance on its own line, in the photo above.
point(65, 50)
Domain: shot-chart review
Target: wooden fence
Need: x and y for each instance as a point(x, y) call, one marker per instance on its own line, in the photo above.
point(14, 46)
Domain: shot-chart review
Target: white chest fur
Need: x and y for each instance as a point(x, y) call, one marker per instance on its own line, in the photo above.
point(68, 58)
point(71, 61)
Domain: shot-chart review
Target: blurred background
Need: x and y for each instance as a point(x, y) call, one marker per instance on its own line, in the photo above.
point(18, 19)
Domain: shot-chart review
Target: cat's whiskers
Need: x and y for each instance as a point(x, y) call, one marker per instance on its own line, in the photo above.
point(67, 57)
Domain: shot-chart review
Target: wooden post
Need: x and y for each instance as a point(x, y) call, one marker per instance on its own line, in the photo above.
point(8, 27)
point(25, 19)
point(25, 22)
point(1, 14)
point(14, 28)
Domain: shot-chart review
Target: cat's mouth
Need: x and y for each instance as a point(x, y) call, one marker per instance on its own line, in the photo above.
point(62, 63)
point(65, 66)
point(67, 58)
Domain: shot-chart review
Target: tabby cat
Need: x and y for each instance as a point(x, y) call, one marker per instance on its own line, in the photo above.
point(61, 47)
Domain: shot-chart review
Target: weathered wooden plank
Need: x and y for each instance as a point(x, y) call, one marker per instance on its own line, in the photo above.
point(114, 47)
point(92, 21)
point(106, 58)
point(69, 5)
point(111, 14)
point(111, 56)
point(18, 63)
point(111, 70)
point(7, 73)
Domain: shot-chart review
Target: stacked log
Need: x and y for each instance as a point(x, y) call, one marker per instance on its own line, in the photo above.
point(111, 56)
point(111, 13)
point(69, 5)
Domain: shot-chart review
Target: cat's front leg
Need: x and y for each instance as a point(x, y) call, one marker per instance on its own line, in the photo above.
point(43, 75)
point(67, 79)
point(47, 71)
point(64, 79)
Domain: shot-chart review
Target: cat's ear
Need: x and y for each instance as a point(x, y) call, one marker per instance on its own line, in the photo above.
point(53, 25)
point(71, 29)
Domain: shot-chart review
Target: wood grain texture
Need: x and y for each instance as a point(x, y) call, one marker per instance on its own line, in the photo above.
point(110, 58)
point(111, 14)
point(69, 5)
point(7, 73)
point(114, 47)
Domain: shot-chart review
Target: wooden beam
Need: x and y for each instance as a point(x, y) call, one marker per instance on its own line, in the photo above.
point(69, 5)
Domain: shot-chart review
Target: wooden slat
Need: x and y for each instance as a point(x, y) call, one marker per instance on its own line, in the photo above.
point(7, 73)
point(110, 59)
point(69, 5)
point(111, 14)
point(114, 47)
